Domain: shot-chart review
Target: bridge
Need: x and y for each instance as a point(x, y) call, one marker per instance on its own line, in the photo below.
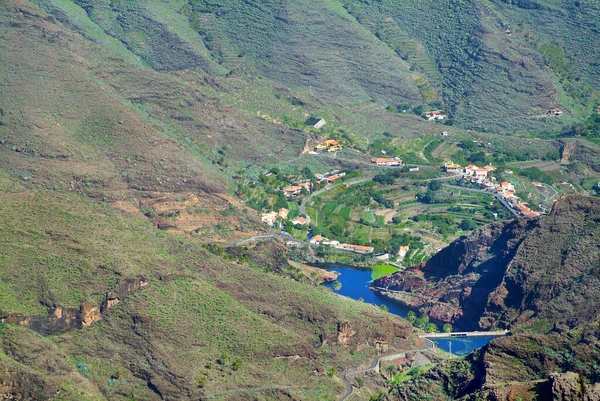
point(462, 334)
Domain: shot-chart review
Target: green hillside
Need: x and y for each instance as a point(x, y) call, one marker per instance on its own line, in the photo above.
point(495, 66)
point(195, 325)
point(141, 140)
point(502, 63)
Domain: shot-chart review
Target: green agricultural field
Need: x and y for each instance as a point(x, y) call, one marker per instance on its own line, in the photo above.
point(382, 270)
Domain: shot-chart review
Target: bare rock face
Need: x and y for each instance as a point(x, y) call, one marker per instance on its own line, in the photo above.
point(345, 332)
point(90, 314)
point(125, 287)
point(19, 384)
point(570, 386)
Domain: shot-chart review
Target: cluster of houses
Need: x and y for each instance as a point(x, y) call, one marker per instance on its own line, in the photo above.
point(331, 145)
point(434, 115)
point(294, 190)
point(481, 176)
point(320, 240)
point(272, 217)
point(330, 178)
point(386, 162)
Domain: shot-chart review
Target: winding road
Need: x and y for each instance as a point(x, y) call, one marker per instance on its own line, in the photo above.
point(375, 367)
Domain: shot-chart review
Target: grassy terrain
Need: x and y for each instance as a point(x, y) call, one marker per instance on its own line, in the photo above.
point(382, 270)
point(208, 323)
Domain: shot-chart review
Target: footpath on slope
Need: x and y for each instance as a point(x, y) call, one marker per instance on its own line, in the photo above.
point(375, 366)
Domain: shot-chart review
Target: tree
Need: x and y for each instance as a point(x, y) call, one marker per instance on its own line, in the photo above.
point(411, 317)
point(431, 328)
point(237, 364)
point(427, 197)
point(337, 285)
point(468, 225)
point(435, 185)
point(281, 201)
point(306, 172)
point(447, 328)
point(390, 371)
point(385, 179)
point(383, 307)
point(360, 382)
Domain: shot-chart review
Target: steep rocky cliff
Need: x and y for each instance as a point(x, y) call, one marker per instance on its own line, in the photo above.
point(506, 274)
point(539, 278)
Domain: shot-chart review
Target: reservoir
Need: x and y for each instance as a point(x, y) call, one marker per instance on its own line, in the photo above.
point(461, 346)
point(355, 284)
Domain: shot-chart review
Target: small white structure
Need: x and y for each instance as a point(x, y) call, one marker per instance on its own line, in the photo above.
point(382, 256)
point(315, 122)
point(452, 168)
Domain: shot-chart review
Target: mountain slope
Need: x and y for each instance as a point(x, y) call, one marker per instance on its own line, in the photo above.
point(501, 63)
point(134, 311)
point(495, 66)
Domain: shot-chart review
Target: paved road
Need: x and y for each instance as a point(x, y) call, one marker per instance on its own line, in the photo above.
point(279, 234)
point(459, 334)
point(375, 367)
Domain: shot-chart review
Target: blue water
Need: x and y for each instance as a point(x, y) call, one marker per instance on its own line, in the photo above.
point(355, 284)
point(461, 346)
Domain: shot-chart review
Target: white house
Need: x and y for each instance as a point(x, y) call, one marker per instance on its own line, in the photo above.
point(384, 161)
point(315, 122)
point(317, 239)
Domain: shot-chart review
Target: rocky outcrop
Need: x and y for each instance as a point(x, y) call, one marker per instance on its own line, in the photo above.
point(508, 273)
point(60, 319)
point(124, 288)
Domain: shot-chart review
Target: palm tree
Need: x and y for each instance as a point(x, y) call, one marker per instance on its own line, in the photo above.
point(390, 371)
point(431, 328)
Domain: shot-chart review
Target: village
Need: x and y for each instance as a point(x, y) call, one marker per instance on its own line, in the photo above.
point(361, 210)
point(484, 178)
